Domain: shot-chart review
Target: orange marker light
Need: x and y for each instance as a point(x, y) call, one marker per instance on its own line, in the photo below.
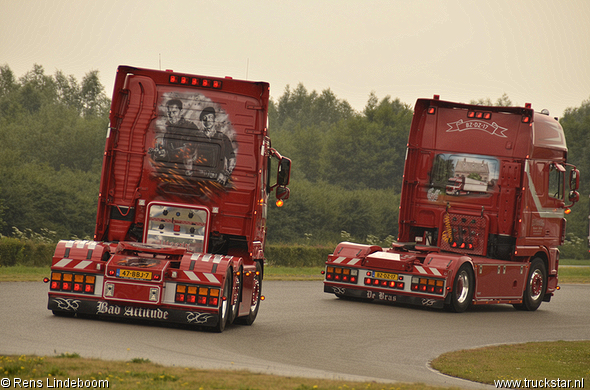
point(280, 203)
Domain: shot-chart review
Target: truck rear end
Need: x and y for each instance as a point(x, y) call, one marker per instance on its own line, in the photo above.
point(181, 222)
point(481, 214)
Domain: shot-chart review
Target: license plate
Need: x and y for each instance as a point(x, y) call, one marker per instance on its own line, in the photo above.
point(134, 274)
point(385, 275)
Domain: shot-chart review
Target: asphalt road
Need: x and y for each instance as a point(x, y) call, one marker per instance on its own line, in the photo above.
point(300, 331)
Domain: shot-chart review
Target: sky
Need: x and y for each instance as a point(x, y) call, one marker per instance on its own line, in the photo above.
point(534, 51)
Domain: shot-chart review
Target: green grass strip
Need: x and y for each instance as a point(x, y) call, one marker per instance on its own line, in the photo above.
point(537, 361)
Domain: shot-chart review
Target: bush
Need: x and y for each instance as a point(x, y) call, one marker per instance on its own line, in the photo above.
point(574, 248)
point(10, 251)
point(297, 255)
point(25, 252)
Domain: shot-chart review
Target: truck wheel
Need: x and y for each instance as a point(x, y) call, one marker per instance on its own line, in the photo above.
point(236, 297)
point(254, 299)
point(463, 287)
point(536, 284)
point(224, 313)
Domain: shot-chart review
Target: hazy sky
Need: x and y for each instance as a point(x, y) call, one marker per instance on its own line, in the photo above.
point(535, 51)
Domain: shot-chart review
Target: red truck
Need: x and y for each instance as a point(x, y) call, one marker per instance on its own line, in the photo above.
point(181, 223)
point(481, 213)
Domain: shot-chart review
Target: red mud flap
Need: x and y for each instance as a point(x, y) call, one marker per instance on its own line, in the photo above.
point(75, 305)
point(385, 297)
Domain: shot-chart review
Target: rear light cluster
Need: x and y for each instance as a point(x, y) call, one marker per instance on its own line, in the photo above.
point(195, 81)
point(396, 284)
point(197, 295)
point(479, 115)
point(78, 283)
point(339, 274)
point(427, 285)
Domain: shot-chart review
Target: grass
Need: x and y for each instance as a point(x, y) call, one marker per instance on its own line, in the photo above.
point(21, 273)
point(574, 275)
point(142, 374)
point(564, 360)
point(273, 272)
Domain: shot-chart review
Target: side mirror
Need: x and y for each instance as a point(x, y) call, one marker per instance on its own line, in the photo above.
point(284, 172)
point(574, 180)
point(283, 193)
point(574, 196)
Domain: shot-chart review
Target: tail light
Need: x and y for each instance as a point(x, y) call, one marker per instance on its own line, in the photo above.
point(197, 295)
point(428, 285)
point(341, 274)
point(72, 282)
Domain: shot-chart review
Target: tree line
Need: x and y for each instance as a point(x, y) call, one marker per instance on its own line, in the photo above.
point(346, 174)
point(52, 132)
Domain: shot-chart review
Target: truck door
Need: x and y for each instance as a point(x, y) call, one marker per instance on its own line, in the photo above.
point(543, 209)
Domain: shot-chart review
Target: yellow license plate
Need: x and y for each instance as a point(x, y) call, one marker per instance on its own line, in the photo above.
point(134, 274)
point(385, 275)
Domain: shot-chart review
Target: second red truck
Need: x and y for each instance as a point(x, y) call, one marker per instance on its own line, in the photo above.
point(484, 196)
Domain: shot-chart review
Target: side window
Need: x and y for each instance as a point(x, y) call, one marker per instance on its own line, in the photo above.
point(556, 172)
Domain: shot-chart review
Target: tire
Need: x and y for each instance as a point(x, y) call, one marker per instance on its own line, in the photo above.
point(236, 298)
point(224, 307)
point(536, 284)
point(254, 299)
point(463, 287)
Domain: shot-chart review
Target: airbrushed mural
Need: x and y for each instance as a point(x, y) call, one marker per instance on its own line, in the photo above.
point(462, 175)
point(194, 145)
